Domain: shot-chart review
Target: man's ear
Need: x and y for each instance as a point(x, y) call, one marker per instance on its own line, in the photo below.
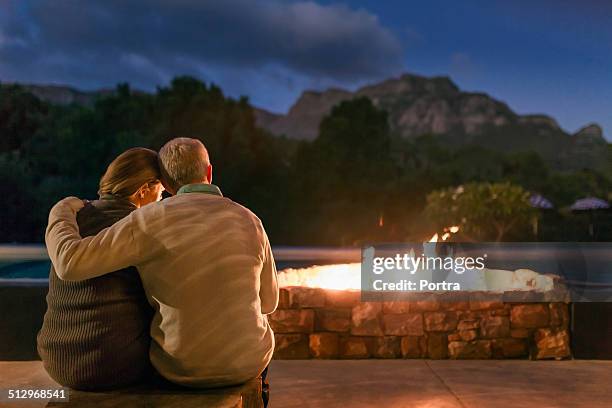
point(209, 173)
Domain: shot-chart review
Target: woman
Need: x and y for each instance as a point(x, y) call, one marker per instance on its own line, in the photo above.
point(95, 333)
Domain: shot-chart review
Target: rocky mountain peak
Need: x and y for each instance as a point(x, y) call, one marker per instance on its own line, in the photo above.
point(591, 131)
point(416, 105)
point(63, 95)
point(311, 102)
point(538, 119)
point(411, 84)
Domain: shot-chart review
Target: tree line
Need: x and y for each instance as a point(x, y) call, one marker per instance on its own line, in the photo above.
point(356, 182)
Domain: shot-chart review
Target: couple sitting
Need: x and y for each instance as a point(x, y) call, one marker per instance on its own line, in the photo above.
point(206, 267)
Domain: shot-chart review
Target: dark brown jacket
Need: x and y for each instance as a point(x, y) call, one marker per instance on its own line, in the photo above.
point(95, 333)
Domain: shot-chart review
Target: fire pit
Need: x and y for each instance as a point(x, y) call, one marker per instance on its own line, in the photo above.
point(321, 315)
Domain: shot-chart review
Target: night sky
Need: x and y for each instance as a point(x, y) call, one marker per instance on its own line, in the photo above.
point(539, 56)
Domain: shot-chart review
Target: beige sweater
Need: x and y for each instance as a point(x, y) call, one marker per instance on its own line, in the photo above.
point(207, 269)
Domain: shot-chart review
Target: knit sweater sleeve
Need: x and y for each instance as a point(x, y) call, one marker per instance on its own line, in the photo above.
point(76, 258)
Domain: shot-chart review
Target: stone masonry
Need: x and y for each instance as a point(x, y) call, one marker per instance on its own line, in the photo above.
point(335, 324)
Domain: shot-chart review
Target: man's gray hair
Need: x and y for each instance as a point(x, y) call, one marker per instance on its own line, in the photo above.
point(183, 161)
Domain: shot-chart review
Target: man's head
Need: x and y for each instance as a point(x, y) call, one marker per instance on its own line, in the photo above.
point(184, 161)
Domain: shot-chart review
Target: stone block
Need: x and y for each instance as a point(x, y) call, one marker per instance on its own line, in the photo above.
point(414, 346)
point(396, 307)
point(455, 305)
point(519, 333)
point(454, 337)
point(440, 321)
point(407, 324)
point(366, 319)
point(479, 349)
point(478, 304)
point(551, 343)
point(468, 324)
point(559, 314)
point(387, 347)
point(354, 347)
point(468, 335)
point(437, 346)
point(425, 302)
point(509, 348)
point(342, 298)
point(472, 314)
point(303, 297)
point(529, 315)
point(292, 321)
point(291, 347)
point(324, 345)
point(495, 327)
point(501, 312)
point(333, 320)
point(283, 298)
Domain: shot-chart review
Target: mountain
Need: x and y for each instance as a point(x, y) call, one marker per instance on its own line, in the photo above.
point(302, 120)
point(64, 95)
point(419, 105)
point(416, 105)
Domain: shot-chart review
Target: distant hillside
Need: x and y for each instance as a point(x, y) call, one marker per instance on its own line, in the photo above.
point(418, 105)
point(64, 95)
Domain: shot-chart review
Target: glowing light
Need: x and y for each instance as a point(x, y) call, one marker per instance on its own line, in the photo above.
point(447, 233)
point(348, 277)
point(341, 276)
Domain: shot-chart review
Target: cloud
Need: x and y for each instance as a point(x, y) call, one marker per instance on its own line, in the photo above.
point(462, 66)
point(412, 37)
point(102, 42)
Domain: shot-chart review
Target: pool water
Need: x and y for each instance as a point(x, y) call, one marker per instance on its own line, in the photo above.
point(25, 270)
point(40, 269)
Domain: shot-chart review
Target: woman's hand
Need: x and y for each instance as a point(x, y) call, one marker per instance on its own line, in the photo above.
point(74, 204)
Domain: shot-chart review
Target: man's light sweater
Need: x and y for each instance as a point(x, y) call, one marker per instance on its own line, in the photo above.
point(208, 271)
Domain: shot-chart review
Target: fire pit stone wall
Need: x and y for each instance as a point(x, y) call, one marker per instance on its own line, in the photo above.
point(332, 324)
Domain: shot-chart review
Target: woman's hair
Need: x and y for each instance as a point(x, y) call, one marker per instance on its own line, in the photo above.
point(129, 171)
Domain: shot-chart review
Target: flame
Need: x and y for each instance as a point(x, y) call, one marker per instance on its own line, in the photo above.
point(341, 276)
point(447, 233)
point(348, 277)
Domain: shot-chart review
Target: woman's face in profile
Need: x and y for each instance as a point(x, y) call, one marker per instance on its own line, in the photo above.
point(152, 194)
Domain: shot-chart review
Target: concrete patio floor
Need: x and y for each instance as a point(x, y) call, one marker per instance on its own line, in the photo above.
point(381, 384)
point(441, 384)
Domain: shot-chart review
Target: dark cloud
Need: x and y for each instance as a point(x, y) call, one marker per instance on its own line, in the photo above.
point(146, 42)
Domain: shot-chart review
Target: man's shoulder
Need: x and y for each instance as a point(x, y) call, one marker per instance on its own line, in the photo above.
point(241, 208)
point(195, 201)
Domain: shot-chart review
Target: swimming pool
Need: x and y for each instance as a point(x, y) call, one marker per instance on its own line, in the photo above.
point(30, 263)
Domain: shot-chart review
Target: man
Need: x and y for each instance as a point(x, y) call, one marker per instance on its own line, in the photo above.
point(206, 266)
